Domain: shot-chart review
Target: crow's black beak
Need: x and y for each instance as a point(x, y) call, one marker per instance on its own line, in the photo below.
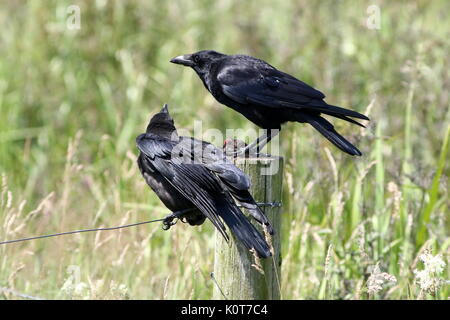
point(165, 109)
point(184, 60)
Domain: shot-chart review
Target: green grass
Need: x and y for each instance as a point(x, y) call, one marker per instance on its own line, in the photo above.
point(72, 102)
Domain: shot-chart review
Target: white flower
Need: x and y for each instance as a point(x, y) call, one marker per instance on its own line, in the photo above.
point(81, 290)
point(75, 290)
point(67, 287)
point(121, 290)
point(432, 263)
point(428, 278)
point(377, 279)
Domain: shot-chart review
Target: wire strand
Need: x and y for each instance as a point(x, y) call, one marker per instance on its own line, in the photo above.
point(81, 231)
point(174, 215)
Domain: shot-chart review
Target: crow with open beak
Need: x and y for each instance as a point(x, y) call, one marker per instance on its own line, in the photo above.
point(195, 179)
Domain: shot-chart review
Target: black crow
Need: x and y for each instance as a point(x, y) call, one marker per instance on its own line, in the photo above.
point(195, 179)
point(266, 96)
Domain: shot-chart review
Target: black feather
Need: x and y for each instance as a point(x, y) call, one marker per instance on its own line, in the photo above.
point(266, 96)
point(189, 173)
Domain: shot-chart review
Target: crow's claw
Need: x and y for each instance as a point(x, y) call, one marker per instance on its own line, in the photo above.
point(168, 222)
point(177, 215)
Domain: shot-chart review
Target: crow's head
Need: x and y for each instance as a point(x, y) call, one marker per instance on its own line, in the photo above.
point(200, 61)
point(162, 124)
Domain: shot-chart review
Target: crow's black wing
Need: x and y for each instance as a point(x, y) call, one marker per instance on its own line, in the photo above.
point(154, 146)
point(190, 180)
point(261, 84)
point(203, 189)
point(234, 180)
point(215, 160)
point(198, 184)
point(238, 184)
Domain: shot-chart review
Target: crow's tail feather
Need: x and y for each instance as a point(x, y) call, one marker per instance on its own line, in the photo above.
point(244, 231)
point(246, 200)
point(336, 111)
point(327, 130)
point(259, 216)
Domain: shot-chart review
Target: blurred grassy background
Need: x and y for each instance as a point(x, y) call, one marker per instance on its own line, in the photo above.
point(72, 102)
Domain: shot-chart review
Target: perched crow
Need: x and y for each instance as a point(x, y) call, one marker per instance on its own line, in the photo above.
point(266, 96)
point(194, 179)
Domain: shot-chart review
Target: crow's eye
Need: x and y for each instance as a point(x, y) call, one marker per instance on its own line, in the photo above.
point(196, 59)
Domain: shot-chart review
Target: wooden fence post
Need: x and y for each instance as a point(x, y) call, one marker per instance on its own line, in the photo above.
point(234, 276)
